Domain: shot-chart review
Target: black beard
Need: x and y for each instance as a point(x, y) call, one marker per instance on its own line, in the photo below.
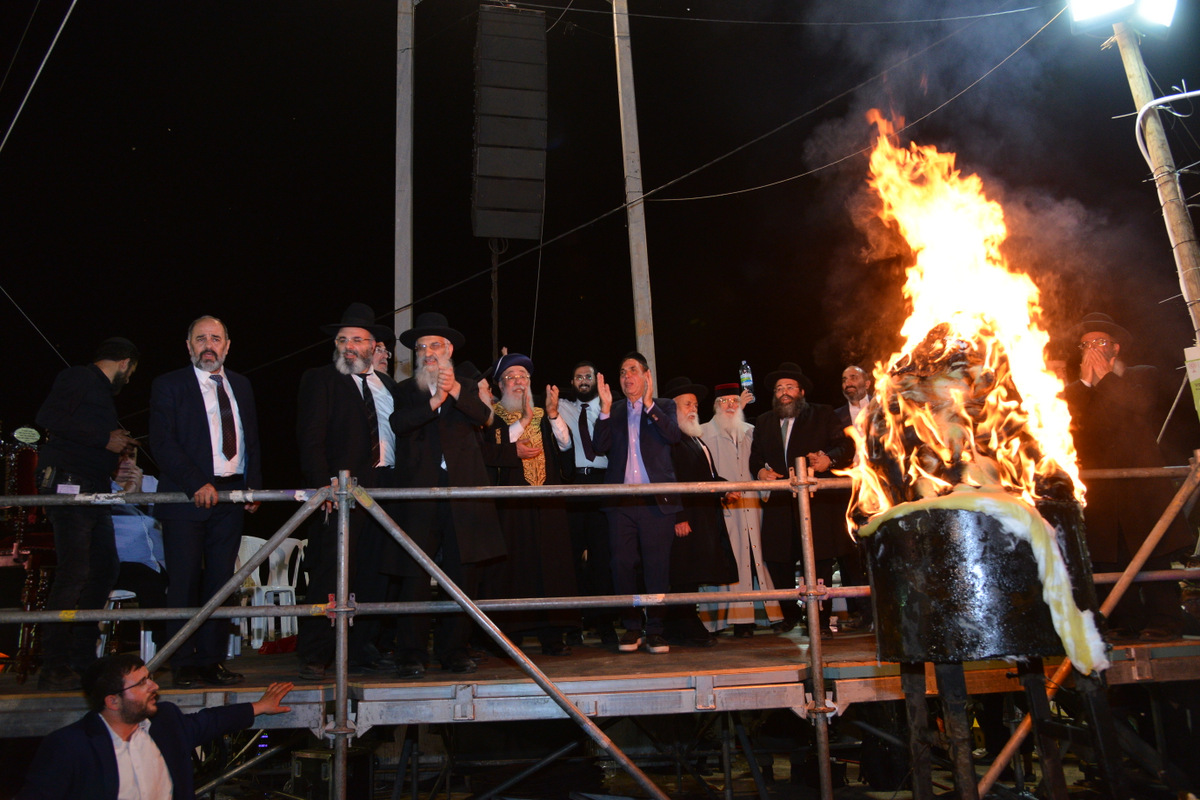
point(588, 396)
point(792, 410)
point(118, 382)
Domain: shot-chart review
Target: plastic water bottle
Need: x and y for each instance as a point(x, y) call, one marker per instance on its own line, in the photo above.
point(746, 378)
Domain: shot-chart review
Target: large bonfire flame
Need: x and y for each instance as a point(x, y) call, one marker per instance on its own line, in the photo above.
point(974, 336)
point(967, 413)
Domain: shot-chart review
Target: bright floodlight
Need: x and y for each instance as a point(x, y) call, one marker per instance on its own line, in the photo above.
point(1148, 16)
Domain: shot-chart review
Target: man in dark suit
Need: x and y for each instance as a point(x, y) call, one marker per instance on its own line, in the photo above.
point(204, 435)
point(637, 434)
point(343, 422)
point(1112, 416)
point(439, 412)
point(701, 553)
point(857, 387)
point(809, 431)
point(83, 762)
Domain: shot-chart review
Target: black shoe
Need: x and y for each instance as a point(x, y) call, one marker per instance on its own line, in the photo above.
point(656, 644)
point(410, 668)
point(574, 637)
point(59, 679)
point(219, 675)
point(743, 630)
point(376, 667)
point(826, 633)
point(630, 641)
point(185, 677)
point(312, 672)
point(787, 626)
point(556, 649)
point(459, 662)
point(609, 637)
point(708, 640)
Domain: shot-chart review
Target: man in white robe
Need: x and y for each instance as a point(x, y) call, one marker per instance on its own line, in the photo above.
point(728, 437)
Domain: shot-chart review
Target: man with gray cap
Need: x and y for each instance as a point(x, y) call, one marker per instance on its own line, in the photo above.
point(1112, 408)
point(439, 413)
point(84, 440)
point(343, 423)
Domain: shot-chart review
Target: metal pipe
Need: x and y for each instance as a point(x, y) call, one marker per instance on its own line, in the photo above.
point(252, 762)
point(342, 728)
point(527, 666)
point(812, 598)
point(232, 584)
point(485, 492)
point(1156, 533)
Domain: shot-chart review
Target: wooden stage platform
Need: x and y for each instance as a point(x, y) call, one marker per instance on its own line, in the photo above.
point(766, 671)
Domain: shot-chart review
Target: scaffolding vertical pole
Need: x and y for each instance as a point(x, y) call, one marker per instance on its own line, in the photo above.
point(342, 729)
point(812, 596)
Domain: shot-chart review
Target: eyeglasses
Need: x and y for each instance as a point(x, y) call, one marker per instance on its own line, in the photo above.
point(516, 378)
point(342, 340)
point(436, 347)
point(728, 401)
point(584, 377)
point(135, 685)
point(1094, 344)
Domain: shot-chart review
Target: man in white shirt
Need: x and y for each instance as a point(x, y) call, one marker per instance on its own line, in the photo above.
point(589, 525)
point(130, 746)
point(204, 436)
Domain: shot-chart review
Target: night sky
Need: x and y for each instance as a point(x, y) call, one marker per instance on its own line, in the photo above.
point(234, 158)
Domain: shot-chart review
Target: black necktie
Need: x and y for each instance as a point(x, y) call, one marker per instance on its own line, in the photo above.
point(372, 419)
point(585, 437)
point(228, 426)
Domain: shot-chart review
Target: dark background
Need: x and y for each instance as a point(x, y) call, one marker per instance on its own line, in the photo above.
point(236, 158)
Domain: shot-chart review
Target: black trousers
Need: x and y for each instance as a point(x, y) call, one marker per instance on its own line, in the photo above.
point(641, 535)
point(590, 552)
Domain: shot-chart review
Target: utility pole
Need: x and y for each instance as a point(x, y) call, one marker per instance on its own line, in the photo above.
point(635, 209)
point(1166, 178)
point(402, 258)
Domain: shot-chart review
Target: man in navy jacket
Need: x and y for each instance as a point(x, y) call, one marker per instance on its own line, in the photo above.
point(204, 436)
point(636, 434)
point(130, 737)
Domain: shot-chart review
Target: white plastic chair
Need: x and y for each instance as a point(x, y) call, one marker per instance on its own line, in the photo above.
point(277, 588)
point(117, 598)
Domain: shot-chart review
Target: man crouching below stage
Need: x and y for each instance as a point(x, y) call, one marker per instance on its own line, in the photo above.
point(130, 745)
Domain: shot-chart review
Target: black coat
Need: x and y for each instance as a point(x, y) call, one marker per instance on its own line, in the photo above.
point(704, 555)
point(424, 436)
point(1113, 427)
point(332, 427)
point(816, 429)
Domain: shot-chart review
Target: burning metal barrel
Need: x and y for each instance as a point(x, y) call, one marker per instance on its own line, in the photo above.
point(953, 584)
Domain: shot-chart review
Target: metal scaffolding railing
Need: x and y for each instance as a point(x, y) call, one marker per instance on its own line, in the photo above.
point(347, 493)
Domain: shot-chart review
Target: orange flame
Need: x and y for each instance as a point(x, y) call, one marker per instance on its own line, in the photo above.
point(947, 410)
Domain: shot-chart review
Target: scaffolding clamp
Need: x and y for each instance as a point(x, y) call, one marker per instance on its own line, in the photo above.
point(332, 609)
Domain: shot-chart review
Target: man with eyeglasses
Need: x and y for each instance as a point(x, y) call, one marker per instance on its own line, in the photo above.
point(130, 746)
point(343, 422)
point(204, 436)
point(439, 413)
point(589, 525)
point(1113, 410)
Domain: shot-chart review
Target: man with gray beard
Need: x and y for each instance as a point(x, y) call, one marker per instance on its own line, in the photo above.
point(792, 429)
point(729, 437)
point(343, 423)
point(204, 436)
point(530, 446)
point(439, 412)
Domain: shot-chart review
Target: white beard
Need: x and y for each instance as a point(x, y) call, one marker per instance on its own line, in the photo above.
point(512, 401)
point(427, 375)
point(729, 425)
point(690, 426)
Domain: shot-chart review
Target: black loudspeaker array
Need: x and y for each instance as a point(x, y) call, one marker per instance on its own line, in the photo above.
point(510, 124)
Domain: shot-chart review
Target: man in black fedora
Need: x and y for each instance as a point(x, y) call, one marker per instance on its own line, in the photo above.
point(439, 413)
point(343, 421)
point(795, 428)
point(1112, 412)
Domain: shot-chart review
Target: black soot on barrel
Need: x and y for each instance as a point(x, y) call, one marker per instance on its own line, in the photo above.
point(954, 585)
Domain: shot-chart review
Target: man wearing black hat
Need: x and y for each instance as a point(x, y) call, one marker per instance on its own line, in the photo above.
point(701, 553)
point(795, 428)
point(204, 435)
point(1112, 406)
point(439, 413)
point(530, 446)
point(343, 422)
point(84, 440)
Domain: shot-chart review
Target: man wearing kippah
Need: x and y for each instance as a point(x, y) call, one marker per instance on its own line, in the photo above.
point(84, 440)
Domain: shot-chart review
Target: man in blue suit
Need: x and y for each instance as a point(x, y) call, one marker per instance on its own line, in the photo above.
point(130, 745)
point(636, 434)
point(204, 435)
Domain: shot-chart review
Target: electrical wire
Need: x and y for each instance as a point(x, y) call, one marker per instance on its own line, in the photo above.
point(33, 325)
point(37, 75)
point(21, 41)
